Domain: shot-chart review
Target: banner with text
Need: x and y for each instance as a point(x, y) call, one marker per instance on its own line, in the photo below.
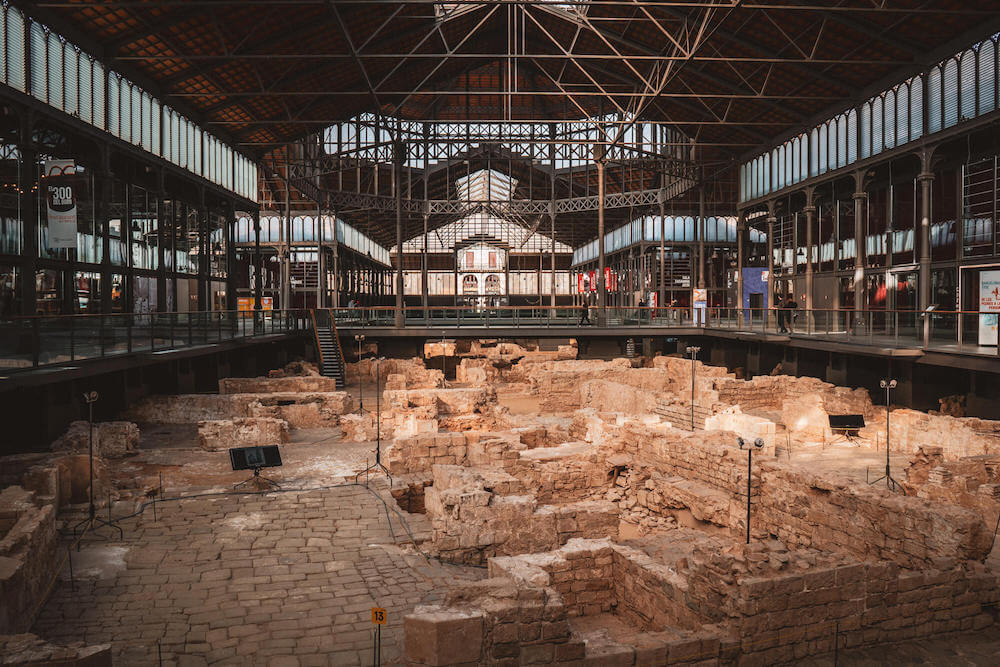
point(989, 306)
point(60, 202)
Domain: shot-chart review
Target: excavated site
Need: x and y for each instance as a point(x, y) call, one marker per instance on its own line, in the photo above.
point(534, 508)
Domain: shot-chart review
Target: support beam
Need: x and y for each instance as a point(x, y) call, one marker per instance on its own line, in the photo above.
point(810, 210)
point(926, 180)
point(599, 158)
point(398, 157)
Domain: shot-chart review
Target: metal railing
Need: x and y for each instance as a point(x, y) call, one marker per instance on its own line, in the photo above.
point(953, 330)
point(44, 340)
point(32, 342)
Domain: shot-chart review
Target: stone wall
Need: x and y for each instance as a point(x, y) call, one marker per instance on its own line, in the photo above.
point(789, 617)
point(910, 430)
point(416, 374)
point(477, 513)
point(808, 510)
point(111, 439)
point(749, 427)
point(306, 410)
point(972, 482)
point(706, 601)
point(616, 397)
point(220, 435)
point(708, 471)
point(460, 401)
point(264, 385)
point(28, 556)
point(27, 649)
point(300, 410)
point(492, 622)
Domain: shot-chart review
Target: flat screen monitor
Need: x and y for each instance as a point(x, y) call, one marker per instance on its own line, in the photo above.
point(847, 422)
point(250, 458)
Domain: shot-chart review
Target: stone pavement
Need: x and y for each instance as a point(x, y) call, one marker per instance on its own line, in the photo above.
point(276, 579)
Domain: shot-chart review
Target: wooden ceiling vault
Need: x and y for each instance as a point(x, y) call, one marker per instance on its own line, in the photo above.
point(732, 76)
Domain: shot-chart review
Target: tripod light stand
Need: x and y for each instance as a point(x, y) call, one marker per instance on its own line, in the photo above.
point(890, 483)
point(92, 519)
point(378, 428)
point(758, 443)
point(693, 351)
point(361, 377)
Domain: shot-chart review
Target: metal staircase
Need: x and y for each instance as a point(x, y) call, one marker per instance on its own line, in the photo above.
point(331, 356)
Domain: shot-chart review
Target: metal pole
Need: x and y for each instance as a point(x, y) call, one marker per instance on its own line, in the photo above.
point(749, 472)
point(398, 174)
point(692, 392)
point(601, 287)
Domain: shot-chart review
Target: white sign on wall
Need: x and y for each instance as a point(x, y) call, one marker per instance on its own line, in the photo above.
point(989, 306)
point(60, 203)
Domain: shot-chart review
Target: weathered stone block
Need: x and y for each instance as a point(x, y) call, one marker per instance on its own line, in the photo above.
point(437, 636)
point(219, 435)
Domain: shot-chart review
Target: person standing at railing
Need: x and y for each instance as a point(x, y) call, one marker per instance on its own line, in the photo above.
point(786, 315)
point(791, 306)
point(585, 310)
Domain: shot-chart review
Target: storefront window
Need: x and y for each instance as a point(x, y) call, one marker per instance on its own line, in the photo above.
point(49, 292)
point(11, 237)
point(875, 239)
point(87, 296)
point(904, 223)
point(10, 290)
point(145, 233)
point(117, 215)
point(943, 209)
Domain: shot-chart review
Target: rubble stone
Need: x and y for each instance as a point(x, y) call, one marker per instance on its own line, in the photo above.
point(220, 435)
point(112, 440)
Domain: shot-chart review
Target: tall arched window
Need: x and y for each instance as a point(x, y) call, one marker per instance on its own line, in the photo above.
point(889, 126)
point(823, 146)
point(814, 152)
point(878, 114)
point(987, 77)
point(866, 130)
point(852, 136)
point(842, 140)
point(934, 101)
point(967, 85)
point(902, 114)
point(916, 108)
point(950, 92)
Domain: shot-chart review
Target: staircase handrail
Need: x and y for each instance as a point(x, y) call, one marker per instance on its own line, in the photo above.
point(340, 348)
point(319, 348)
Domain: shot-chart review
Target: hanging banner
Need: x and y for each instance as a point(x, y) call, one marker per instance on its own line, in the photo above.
point(989, 302)
point(60, 202)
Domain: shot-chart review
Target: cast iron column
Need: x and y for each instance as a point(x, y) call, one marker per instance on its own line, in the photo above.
point(926, 180)
point(601, 287)
point(859, 197)
point(770, 265)
point(810, 210)
point(398, 152)
point(663, 234)
point(741, 233)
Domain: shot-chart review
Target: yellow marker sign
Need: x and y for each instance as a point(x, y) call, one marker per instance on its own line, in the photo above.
point(378, 616)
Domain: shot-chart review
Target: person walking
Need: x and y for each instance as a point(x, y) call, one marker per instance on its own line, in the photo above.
point(585, 313)
point(790, 306)
point(779, 306)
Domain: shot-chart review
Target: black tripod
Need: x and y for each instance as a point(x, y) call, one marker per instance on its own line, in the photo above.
point(257, 477)
point(890, 483)
point(378, 428)
point(93, 521)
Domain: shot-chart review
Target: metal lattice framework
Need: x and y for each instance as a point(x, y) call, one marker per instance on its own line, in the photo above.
point(676, 92)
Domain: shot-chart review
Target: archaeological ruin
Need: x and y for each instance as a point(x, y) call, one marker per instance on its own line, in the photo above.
point(510, 506)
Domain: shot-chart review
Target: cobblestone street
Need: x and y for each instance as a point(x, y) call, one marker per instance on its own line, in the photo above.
point(279, 579)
